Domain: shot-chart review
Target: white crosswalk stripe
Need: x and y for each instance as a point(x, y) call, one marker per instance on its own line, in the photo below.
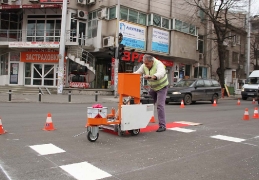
point(181, 130)
point(228, 138)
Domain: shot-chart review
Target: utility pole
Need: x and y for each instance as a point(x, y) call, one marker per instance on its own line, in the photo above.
point(116, 69)
point(62, 48)
point(248, 38)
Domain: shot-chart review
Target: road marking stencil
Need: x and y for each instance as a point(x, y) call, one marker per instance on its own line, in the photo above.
point(45, 149)
point(228, 138)
point(85, 170)
point(181, 130)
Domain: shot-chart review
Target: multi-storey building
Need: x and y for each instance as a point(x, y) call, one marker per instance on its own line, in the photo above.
point(173, 31)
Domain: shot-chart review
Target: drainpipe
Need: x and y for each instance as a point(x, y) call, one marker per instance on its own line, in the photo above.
point(171, 6)
point(148, 6)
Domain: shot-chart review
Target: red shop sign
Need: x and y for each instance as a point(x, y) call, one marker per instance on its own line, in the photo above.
point(135, 56)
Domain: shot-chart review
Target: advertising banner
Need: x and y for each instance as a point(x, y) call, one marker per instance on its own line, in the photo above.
point(134, 36)
point(160, 41)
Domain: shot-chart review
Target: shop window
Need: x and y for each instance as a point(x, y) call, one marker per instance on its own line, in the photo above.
point(112, 12)
point(4, 64)
point(133, 16)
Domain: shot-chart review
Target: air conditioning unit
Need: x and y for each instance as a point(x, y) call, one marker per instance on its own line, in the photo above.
point(4, 1)
point(34, 1)
point(108, 41)
point(90, 2)
point(102, 14)
point(82, 14)
point(200, 56)
point(83, 2)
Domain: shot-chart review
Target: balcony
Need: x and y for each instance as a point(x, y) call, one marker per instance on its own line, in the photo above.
point(71, 37)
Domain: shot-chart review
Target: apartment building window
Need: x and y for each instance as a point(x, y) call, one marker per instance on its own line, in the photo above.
point(43, 28)
point(4, 64)
point(112, 13)
point(156, 20)
point(183, 27)
point(10, 24)
point(234, 57)
point(92, 24)
point(200, 44)
point(133, 16)
point(235, 38)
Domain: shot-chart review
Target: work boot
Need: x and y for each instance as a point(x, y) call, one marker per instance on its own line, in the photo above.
point(161, 129)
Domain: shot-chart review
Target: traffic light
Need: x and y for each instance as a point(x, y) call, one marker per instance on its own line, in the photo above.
point(112, 51)
point(121, 51)
point(120, 38)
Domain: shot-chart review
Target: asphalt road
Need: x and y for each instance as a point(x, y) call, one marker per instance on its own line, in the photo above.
point(170, 155)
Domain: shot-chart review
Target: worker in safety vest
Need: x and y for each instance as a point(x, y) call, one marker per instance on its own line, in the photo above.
point(155, 73)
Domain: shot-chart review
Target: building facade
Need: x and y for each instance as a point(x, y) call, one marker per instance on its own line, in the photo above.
point(173, 32)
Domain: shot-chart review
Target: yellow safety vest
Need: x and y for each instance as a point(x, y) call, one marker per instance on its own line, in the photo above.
point(156, 85)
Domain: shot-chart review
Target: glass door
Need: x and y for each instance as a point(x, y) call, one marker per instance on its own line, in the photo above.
point(14, 69)
point(43, 75)
point(82, 29)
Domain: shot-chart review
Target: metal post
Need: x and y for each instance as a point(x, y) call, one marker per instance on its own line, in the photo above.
point(248, 39)
point(69, 96)
point(96, 96)
point(62, 48)
point(39, 95)
point(10, 95)
point(116, 54)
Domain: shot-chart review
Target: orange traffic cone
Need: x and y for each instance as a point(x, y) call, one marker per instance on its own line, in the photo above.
point(182, 104)
point(246, 114)
point(214, 103)
point(152, 120)
point(238, 102)
point(49, 125)
point(253, 101)
point(256, 116)
point(2, 131)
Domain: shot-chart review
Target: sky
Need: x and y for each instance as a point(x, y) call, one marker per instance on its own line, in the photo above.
point(254, 7)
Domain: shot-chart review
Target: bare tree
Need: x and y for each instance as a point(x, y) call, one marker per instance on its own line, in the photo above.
point(220, 14)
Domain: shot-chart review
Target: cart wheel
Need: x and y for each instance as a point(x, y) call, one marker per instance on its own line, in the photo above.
point(134, 132)
point(120, 132)
point(92, 138)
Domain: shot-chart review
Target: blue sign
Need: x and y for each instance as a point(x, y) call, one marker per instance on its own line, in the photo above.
point(160, 41)
point(134, 36)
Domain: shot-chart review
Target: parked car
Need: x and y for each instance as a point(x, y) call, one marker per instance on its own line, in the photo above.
point(192, 90)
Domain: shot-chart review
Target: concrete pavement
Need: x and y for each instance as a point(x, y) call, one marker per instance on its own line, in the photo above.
point(64, 98)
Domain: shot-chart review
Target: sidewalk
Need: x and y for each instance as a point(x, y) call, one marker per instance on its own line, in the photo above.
point(57, 98)
point(75, 98)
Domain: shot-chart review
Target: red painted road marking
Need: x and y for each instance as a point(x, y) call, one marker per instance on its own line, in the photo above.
point(151, 128)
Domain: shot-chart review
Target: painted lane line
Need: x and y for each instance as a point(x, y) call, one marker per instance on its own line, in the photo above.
point(5, 173)
point(45, 149)
point(85, 171)
point(181, 130)
point(228, 138)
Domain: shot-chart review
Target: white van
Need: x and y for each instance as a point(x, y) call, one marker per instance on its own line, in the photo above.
point(251, 85)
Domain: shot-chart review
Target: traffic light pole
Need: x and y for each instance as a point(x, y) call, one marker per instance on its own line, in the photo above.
point(116, 68)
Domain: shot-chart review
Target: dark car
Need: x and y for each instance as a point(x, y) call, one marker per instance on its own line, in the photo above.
point(192, 90)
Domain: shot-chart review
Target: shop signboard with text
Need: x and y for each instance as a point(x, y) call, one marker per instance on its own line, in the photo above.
point(40, 57)
point(160, 41)
point(34, 44)
point(134, 36)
